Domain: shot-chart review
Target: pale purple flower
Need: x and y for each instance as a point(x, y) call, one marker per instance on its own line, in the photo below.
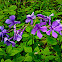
point(30, 18)
point(18, 35)
point(42, 17)
point(54, 27)
point(38, 28)
point(11, 21)
point(3, 32)
point(8, 42)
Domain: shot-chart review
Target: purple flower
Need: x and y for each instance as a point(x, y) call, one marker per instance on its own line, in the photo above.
point(38, 28)
point(8, 42)
point(3, 32)
point(42, 17)
point(11, 21)
point(60, 32)
point(54, 27)
point(18, 35)
point(30, 18)
point(50, 19)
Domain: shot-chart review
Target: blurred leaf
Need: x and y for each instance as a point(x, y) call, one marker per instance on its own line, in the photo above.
point(28, 58)
point(28, 49)
point(25, 35)
point(9, 48)
point(30, 42)
point(14, 52)
point(51, 40)
point(20, 59)
point(46, 50)
point(8, 60)
point(13, 7)
point(37, 49)
point(2, 60)
point(28, 29)
point(2, 16)
point(12, 12)
point(59, 1)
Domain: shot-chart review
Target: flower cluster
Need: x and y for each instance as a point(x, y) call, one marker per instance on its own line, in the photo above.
point(53, 27)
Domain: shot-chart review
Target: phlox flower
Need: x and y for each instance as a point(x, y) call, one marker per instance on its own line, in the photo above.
point(38, 28)
point(30, 18)
point(11, 21)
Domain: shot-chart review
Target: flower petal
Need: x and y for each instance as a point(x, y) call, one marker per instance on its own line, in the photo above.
point(32, 14)
point(8, 21)
point(58, 28)
point(43, 28)
point(52, 14)
point(27, 20)
point(54, 34)
point(19, 37)
point(31, 22)
point(17, 22)
point(28, 16)
point(0, 34)
point(8, 43)
point(13, 43)
point(33, 31)
point(12, 17)
point(2, 28)
point(39, 34)
point(60, 33)
point(10, 25)
point(42, 23)
point(55, 23)
point(48, 32)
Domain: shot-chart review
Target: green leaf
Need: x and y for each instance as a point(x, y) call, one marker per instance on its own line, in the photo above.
point(8, 60)
point(14, 52)
point(28, 49)
point(50, 57)
point(13, 7)
point(46, 50)
point(30, 42)
point(51, 40)
point(25, 35)
point(2, 60)
point(2, 16)
point(20, 59)
point(9, 48)
point(28, 29)
point(59, 1)
point(37, 49)
point(28, 58)
point(12, 12)
point(57, 49)
point(1, 49)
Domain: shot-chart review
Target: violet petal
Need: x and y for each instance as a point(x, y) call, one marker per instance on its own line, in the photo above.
point(39, 34)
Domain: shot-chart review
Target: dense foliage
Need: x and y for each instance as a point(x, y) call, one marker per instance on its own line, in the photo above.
point(27, 42)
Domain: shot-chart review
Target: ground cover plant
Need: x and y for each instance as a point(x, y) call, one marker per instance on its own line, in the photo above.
point(30, 30)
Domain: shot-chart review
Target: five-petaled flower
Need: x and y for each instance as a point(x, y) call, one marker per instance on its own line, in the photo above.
point(38, 28)
point(30, 18)
point(11, 21)
point(8, 42)
point(54, 27)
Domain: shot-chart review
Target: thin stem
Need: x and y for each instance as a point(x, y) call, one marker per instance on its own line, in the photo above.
point(11, 38)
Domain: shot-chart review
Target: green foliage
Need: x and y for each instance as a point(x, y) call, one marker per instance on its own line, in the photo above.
point(30, 48)
point(51, 40)
point(8, 60)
